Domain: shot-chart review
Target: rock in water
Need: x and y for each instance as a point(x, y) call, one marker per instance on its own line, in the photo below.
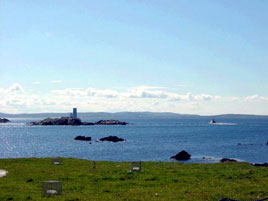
point(183, 155)
point(4, 120)
point(82, 138)
point(112, 139)
point(267, 143)
point(227, 160)
point(110, 122)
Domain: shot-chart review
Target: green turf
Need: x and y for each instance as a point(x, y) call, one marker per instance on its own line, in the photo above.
point(113, 181)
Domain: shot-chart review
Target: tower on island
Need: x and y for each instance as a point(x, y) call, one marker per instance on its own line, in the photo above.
point(74, 113)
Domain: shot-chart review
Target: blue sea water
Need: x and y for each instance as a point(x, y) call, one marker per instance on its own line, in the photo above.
point(146, 140)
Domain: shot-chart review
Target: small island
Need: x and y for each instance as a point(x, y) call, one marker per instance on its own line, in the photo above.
point(68, 121)
point(72, 120)
point(4, 120)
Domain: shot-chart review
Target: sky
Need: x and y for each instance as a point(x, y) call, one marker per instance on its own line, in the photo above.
point(193, 57)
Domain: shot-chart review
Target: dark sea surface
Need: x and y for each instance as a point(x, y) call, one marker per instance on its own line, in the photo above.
point(146, 140)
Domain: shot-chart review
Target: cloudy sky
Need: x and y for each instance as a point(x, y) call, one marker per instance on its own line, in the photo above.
point(196, 57)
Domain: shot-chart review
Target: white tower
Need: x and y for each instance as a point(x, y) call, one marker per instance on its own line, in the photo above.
point(74, 113)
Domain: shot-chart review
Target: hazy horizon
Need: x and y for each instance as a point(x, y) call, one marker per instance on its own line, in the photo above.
point(189, 57)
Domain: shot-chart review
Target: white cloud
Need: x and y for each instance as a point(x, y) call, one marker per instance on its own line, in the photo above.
point(36, 82)
point(16, 99)
point(56, 81)
point(15, 88)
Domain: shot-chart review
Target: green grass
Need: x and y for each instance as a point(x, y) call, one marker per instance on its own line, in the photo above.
point(113, 181)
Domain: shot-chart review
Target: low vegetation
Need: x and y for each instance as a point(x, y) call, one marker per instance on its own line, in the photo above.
point(113, 181)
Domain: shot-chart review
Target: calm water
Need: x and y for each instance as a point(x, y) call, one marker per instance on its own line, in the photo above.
point(147, 140)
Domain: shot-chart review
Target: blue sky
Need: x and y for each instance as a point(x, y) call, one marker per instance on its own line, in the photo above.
point(181, 48)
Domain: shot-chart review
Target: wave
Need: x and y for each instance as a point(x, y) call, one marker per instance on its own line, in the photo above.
point(225, 124)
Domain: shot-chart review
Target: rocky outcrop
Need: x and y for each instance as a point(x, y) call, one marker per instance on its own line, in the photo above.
point(183, 155)
point(112, 139)
point(110, 122)
point(227, 160)
point(68, 121)
point(57, 121)
point(82, 138)
point(4, 120)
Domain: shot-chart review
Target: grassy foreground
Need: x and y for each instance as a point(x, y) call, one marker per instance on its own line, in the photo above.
point(113, 181)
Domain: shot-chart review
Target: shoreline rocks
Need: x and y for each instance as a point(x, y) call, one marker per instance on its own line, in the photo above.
point(68, 121)
point(112, 139)
point(183, 155)
point(4, 120)
point(261, 164)
point(227, 160)
point(82, 138)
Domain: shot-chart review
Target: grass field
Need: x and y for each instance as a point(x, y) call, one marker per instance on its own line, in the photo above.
point(113, 181)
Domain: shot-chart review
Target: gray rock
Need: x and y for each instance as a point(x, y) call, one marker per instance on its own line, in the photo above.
point(227, 160)
point(4, 120)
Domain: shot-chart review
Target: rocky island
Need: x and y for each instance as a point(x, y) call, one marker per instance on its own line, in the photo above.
point(4, 120)
point(69, 121)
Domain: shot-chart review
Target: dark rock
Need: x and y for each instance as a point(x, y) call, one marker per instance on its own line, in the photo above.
point(4, 120)
point(74, 122)
point(29, 180)
point(112, 139)
point(110, 122)
point(261, 164)
point(227, 160)
point(82, 138)
point(267, 143)
point(57, 121)
point(183, 155)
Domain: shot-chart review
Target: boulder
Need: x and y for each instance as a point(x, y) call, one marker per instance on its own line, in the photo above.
point(82, 138)
point(227, 160)
point(4, 120)
point(110, 122)
point(112, 139)
point(183, 155)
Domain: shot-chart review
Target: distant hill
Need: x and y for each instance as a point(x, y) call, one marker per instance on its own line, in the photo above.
point(132, 115)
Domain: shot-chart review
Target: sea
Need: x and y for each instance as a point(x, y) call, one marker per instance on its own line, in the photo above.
point(147, 139)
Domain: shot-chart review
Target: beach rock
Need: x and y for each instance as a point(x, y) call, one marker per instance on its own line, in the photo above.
point(4, 120)
point(183, 155)
point(261, 164)
point(227, 160)
point(110, 122)
point(112, 139)
point(82, 138)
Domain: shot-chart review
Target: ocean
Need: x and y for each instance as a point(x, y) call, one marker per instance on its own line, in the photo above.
point(147, 139)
